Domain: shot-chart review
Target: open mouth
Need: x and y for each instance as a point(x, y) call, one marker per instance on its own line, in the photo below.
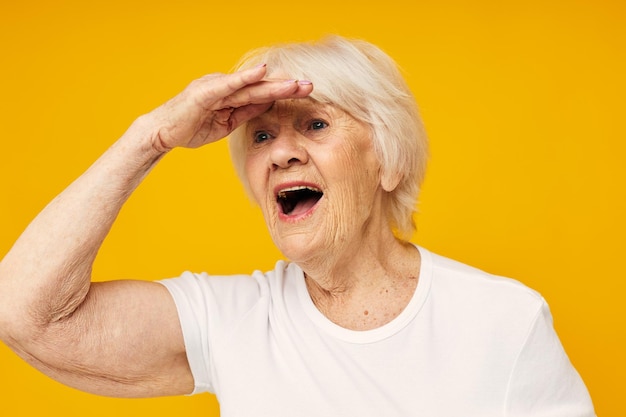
point(295, 201)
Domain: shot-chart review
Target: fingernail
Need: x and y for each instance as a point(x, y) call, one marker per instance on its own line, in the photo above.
point(261, 65)
point(304, 82)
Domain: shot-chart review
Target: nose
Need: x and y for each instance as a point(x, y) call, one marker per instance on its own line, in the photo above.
point(288, 149)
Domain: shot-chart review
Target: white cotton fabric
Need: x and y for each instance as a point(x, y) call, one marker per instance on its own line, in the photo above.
point(468, 344)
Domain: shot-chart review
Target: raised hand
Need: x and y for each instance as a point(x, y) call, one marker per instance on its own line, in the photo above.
point(213, 106)
point(46, 297)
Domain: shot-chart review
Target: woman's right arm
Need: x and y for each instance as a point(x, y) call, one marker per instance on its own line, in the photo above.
point(118, 338)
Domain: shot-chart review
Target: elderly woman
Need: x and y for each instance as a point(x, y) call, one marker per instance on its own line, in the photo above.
point(359, 322)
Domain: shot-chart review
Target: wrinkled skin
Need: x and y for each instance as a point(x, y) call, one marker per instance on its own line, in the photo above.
point(324, 146)
point(343, 243)
point(117, 338)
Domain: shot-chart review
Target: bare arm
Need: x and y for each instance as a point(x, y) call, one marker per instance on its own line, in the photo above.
point(119, 338)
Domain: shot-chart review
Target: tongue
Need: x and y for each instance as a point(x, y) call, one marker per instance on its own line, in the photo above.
point(303, 206)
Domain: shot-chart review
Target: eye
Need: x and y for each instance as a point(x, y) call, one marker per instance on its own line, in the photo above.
point(261, 136)
point(318, 125)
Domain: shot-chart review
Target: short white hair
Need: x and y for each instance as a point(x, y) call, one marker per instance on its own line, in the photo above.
point(362, 80)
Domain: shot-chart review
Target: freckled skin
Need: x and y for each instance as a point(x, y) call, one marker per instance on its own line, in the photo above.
point(345, 247)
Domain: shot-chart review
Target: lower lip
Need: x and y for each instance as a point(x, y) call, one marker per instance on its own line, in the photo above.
point(300, 217)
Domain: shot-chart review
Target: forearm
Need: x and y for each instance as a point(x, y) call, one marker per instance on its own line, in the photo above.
point(46, 274)
point(105, 338)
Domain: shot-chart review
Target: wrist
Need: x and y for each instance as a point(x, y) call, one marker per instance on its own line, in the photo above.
point(144, 132)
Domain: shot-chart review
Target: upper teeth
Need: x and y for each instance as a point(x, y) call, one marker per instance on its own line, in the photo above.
point(283, 193)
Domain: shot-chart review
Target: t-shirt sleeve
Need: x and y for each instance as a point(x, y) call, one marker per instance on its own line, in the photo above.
point(543, 382)
point(191, 303)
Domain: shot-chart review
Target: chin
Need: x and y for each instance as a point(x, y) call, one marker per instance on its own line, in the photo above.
point(300, 248)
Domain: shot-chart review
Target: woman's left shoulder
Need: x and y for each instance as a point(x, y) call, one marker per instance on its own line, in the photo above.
point(469, 284)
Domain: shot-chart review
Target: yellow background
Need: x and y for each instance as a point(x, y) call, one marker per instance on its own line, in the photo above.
point(523, 102)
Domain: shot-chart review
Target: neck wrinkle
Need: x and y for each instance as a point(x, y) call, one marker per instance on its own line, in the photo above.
point(359, 273)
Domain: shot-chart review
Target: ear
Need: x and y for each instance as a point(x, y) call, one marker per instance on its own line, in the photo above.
point(390, 180)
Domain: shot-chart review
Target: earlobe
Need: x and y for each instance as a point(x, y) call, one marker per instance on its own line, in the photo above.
point(390, 180)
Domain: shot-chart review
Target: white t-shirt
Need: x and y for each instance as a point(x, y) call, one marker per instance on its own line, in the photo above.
point(467, 344)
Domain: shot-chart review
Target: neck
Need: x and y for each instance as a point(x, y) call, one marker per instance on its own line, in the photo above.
point(365, 285)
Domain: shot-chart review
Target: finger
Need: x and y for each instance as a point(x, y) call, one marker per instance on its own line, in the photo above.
point(242, 114)
point(225, 85)
point(305, 87)
point(268, 92)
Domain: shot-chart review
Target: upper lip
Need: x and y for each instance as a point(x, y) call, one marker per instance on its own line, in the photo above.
point(295, 185)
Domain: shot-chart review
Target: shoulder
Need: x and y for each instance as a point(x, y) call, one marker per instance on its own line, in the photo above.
point(236, 291)
point(222, 302)
point(475, 292)
point(447, 271)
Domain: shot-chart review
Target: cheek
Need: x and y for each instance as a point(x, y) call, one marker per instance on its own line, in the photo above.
point(253, 177)
point(360, 170)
